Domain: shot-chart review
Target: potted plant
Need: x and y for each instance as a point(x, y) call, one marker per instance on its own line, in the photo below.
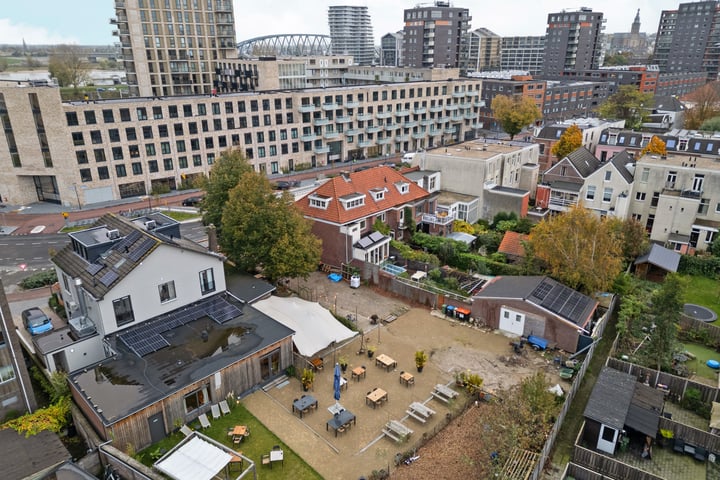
point(421, 359)
point(307, 378)
point(343, 361)
point(371, 350)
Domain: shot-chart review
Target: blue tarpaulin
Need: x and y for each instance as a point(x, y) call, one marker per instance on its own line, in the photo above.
point(335, 277)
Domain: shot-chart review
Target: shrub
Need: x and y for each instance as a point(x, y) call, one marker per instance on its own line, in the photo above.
point(39, 279)
point(705, 266)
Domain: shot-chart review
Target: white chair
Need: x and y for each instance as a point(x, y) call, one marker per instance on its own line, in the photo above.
point(187, 431)
point(204, 422)
point(215, 410)
point(224, 407)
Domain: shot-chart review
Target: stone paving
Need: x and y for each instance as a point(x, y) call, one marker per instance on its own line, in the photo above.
point(664, 463)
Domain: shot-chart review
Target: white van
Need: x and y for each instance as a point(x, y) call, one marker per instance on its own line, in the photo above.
point(408, 157)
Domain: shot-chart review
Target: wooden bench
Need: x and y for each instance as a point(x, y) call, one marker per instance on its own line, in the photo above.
point(392, 435)
point(415, 416)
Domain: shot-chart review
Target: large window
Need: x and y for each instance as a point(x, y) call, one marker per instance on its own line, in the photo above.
point(6, 373)
point(123, 311)
point(590, 194)
point(207, 281)
point(167, 291)
point(270, 364)
point(197, 399)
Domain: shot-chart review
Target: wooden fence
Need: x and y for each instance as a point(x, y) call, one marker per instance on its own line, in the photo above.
point(691, 435)
point(578, 472)
point(608, 466)
point(689, 323)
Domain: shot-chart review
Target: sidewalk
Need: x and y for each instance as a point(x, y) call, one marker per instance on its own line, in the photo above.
point(48, 218)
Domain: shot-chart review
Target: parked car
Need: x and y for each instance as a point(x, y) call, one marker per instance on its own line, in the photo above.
point(192, 201)
point(286, 185)
point(35, 321)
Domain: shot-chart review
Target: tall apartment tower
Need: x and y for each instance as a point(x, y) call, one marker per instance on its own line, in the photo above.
point(483, 51)
point(436, 36)
point(172, 47)
point(351, 33)
point(391, 49)
point(522, 53)
point(573, 42)
point(688, 39)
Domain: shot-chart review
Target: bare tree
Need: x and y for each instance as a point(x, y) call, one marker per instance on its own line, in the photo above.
point(67, 64)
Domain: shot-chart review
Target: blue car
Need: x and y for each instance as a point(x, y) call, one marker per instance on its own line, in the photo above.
point(35, 321)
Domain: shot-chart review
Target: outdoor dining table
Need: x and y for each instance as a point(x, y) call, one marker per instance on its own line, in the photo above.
point(340, 419)
point(358, 372)
point(376, 397)
point(386, 362)
point(407, 379)
point(277, 456)
point(304, 403)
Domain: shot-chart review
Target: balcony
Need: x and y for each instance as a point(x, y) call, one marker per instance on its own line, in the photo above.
point(418, 135)
point(427, 121)
point(477, 125)
point(309, 138)
point(410, 124)
point(470, 116)
point(353, 131)
point(466, 105)
point(383, 114)
point(365, 143)
point(333, 134)
point(384, 141)
point(456, 117)
point(442, 218)
point(435, 131)
point(436, 109)
point(329, 106)
point(319, 121)
point(364, 117)
point(450, 130)
point(458, 94)
point(402, 113)
point(352, 104)
point(321, 149)
point(307, 108)
point(402, 138)
point(479, 103)
point(419, 111)
point(374, 129)
point(391, 126)
point(343, 119)
point(472, 93)
point(451, 107)
point(443, 119)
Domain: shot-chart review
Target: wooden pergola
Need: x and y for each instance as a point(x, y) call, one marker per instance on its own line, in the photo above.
point(520, 465)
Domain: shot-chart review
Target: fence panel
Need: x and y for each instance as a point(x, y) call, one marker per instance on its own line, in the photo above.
point(691, 435)
point(609, 466)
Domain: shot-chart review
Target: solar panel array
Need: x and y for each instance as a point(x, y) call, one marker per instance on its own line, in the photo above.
point(109, 277)
point(137, 252)
point(127, 241)
point(542, 290)
point(566, 302)
point(147, 337)
point(94, 268)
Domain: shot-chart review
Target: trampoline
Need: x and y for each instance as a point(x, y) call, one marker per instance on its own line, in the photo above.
point(714, 364)
point(698, 312)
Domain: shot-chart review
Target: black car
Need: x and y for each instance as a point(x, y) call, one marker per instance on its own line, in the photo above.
point(192, 201)
point(286, 185)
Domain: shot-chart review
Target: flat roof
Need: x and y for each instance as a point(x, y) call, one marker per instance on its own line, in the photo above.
point(447, 198)
point(479, 149)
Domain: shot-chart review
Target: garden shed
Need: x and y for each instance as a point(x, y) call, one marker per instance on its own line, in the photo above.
point(656, 263)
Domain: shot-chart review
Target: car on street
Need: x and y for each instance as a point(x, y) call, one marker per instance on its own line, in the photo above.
point(35, 321)
point(192, 201)
point(286, 185)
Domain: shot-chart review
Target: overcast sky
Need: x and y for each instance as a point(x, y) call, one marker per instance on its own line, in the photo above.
point(85, 22)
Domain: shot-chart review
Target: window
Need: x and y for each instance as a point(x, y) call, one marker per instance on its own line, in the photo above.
point(207, 281)
point(608, 175)
point(270, 364)
point(125, 114)
point(142, 113)
point(90, 118)
point(640, 196)
point(136, 168)
point(644, 175)
point(655, 199)
point(670, 180)
point(117, 153)
point(173, 111)
point(167, 291)
point(153, 166)
point(167, 164)
point(120, 171)
point(72, 119)
point(187, 110)
point(78, 138)
point(147, 133)
point(197, 399)
point(131, 134)
point(163, 131)
point(697, 185)
point(157, 113)
point(607, 195)
point(6, 371)
point(123, 311)
point(99, 155)
point(85, 175)
point(590, 194)
point(81, 156)
point(103, 173)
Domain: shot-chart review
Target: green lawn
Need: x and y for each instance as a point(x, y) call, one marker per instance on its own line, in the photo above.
point(705, 292)
point(260, 441)
point(181, 216)
point(699, 365)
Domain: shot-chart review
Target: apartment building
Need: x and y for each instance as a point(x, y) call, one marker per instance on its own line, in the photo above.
point(351, 32)
point(522, 53)
point(483, 50)
point(436, 35)
point(77, 153)
point(391, 47)
point(172, 47)
point(573, 41)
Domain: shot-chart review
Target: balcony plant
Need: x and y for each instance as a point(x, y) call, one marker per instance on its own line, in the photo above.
point(421, 359)
point(307, 378)
point(343, 361)
point(371, 350)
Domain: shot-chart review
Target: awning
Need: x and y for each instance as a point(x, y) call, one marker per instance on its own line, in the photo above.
point(196, 459)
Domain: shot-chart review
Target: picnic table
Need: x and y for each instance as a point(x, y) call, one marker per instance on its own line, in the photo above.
point(376, 397)
point(358, 372)
point(443, 393)
point(303, 404)
point(396, 430)
point(419, 412)
point(407, 379)
point(386, 362)
point(339, 420)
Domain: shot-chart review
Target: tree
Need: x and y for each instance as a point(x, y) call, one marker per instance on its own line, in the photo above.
point(514, 113)
point(632, 237)
point(224, 176)
point(263, 230)
point(711, 125)
point(705, 103)
point(581, 250)
point(569, 141)
point(619, 59)
point(667, 303)
point(627, 104)
point(655, 145)
point(68, 66)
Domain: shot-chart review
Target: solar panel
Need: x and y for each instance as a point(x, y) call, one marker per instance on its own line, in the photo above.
point(140, 250)
point(542, 290)
point(94, 268)
point(109, 277)
point(127, 241)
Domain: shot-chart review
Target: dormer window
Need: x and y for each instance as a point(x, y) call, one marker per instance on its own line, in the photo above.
point(319, 201)
point(402, 187)
point(378, 193)
point(353, 200)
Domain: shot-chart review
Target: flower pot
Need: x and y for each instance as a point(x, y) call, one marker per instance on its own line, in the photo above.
point(419, 368)
point(343, 368)
point(370, 354)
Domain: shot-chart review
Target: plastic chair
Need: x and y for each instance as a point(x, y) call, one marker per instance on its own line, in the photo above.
point(266, 459)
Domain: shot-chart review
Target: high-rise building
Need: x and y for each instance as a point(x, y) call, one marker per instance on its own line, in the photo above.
point(522, 53)
point(171, 48)
point(436, 36)
point(351, 33)
point(573, 41)
point(391, 45)
point(483, 50)
point(688, 39)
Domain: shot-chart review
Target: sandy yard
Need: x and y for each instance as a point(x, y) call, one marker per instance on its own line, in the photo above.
point(452, 347)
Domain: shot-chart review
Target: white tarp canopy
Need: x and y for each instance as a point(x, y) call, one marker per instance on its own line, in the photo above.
point(315, 327)
point(196, 459)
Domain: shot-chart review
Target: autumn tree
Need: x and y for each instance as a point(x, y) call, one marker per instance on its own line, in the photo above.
point(581, 250)
point(655, 145)
point(666, 305)
point(631, 235)
point(569, 141)
point(627, 104)
point(263, 230)
point(224, 176)
point(514, 113)
point(705, 103)
point(67, 64)
point(711, 125)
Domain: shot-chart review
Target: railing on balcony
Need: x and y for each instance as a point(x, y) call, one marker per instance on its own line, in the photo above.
point(353, 131)
point(307, 108)
point(383, 114)
point(320, 121)
point(458, 94)
point(402, 138)
point(384, 141)
point(418, 135)
point(436, 131)
point(332, 134)
point(419, 111)
point(352, 104)
point(442, 218)
point(343, 119)
point(308, 138)
point(321, 149)
point(410, 124)
point(427, 121)
point(563, 200)
point(329, 106)
point(374, 129)
point(402, 113)
point(363, 117)
point(451, 107)
point(365, 143)
point(436, 109)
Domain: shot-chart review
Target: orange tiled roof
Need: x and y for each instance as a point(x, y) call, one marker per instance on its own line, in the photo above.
point(363, 182)
point(512, 244)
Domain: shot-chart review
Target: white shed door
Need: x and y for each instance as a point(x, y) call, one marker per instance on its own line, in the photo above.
point(512, 322)
point(607, 439)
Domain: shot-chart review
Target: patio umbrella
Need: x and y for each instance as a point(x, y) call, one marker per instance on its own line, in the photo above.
point(336, 383)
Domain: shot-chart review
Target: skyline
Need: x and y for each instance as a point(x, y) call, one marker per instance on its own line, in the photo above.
point(86, 22)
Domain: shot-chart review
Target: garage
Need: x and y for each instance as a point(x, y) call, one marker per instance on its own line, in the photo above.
point(512, 322)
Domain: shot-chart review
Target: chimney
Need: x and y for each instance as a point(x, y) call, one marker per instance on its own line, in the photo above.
point(212, 238)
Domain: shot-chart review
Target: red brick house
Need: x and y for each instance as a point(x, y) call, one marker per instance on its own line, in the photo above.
point(345, 208)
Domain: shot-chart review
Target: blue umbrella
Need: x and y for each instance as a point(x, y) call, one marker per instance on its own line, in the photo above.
point(336, 382)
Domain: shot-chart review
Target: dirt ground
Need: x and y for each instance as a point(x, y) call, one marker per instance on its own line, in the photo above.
point(452, 347)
